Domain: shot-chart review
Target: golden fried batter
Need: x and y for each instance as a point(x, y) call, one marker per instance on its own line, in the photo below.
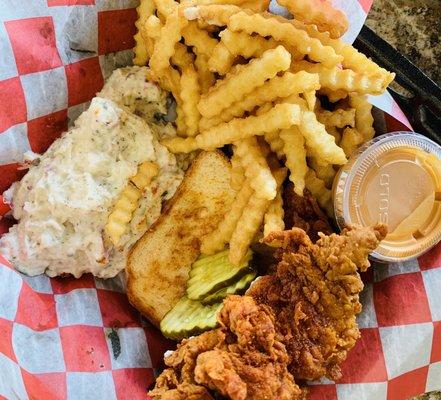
point(245, 360)
point(314, 294)
point(296, 324)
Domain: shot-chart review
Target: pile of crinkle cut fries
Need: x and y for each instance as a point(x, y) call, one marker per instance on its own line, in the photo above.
point(282, 92)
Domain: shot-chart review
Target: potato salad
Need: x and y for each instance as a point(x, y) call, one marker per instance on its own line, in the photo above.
point(63, 203)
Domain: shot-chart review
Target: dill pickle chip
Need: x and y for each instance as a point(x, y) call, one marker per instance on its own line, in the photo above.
point(235, 288)
point(188, 318)
point(212, 273)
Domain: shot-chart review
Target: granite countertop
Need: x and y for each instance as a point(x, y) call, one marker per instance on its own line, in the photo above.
point(413, 27)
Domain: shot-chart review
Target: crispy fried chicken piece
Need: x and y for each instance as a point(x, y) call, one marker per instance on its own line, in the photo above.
point(314, 294)
point(177, 381)
point(297, 323)
point(182, 391)
point(252, 364)
point(184, 358)
point(246, 363)
point(304, 213)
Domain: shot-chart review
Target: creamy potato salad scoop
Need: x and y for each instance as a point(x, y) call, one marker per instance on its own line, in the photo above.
point(64, 202)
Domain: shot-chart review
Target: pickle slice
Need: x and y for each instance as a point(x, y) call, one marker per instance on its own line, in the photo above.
point(236, 288)
point(210, 273)
point(189, 317)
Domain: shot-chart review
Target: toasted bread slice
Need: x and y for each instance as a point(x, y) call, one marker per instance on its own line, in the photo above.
point(159, 263)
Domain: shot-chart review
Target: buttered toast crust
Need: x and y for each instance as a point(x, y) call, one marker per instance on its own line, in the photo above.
point(159, 263)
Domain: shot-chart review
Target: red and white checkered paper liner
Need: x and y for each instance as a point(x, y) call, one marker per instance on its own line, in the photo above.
point(80, 338)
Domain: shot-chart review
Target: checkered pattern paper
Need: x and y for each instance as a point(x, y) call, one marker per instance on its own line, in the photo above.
point(54, 57)
point(80, 338)
point(73, 339)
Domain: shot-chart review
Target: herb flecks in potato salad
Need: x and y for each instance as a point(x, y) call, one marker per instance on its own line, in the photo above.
point(63, 203)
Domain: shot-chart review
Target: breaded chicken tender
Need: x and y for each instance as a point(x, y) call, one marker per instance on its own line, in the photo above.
point(241, 360)
point(315, 295)
point(296, 324)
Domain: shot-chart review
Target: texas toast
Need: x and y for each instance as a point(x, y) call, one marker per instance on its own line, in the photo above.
point(159, 263)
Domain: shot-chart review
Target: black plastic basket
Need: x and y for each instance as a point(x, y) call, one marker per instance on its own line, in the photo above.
point(421, 98)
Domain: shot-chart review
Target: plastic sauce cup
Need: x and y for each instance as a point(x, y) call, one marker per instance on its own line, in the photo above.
point(394, 179)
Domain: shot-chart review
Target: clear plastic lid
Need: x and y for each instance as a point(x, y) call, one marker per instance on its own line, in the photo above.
point(394, 179)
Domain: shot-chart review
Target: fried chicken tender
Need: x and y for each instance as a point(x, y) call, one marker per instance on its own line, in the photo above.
point(315, 295)
point(296, 324)
point(245, 362)
point(177, 382)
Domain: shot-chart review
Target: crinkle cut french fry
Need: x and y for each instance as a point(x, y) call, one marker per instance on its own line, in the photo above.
point(212, 14)
point(319, 13)
point(282, 116)
point(273, 219)
point(152, 27)
point(249, 223)
point(352, 58)
point(122, 213)
point(310, 98)
point(286, 33)
point(165, 45)
point(295, 152)
point(364, 120)
point(338, 118)
point(325, 172)
point(190, 95)
point(181, 127)
point(256, 168)
point(242, 44)
point(350, 140)
point(206, 77)
point(237, 172)
point(146, 172)
point(272, 138)
point(195, 37)
point(247, 46)
point(318, 139)
point(319, 190)
point(342, 79)
point(264, 108)
point(246, 228)
point(278, 87)
point(221, 60)
point(216, 240)
point(207, 123)
point(360, 63)
point(256, 5)
point(295, 99)
point(333, 95)
point(182, 56)
point(166, 7)
point(276, 143)
point(203, 45)
point(235, 87)
point(168, 79)
point(141, 54)
point(144, 10)
point(151, 32)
